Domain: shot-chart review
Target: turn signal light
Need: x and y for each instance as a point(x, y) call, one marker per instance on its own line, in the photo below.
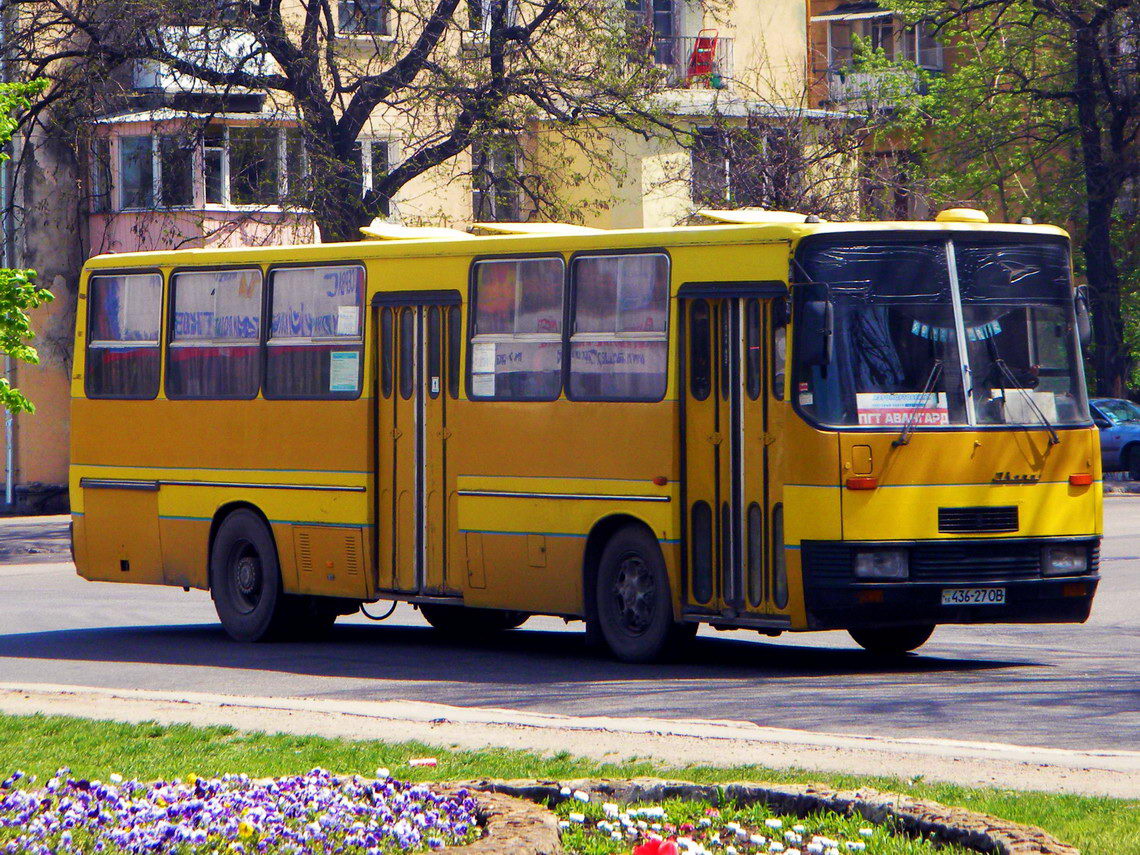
point(1081, 479)
point(862, 483)
point(660, 480)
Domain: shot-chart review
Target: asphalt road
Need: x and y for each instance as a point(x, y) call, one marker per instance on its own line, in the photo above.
point(1067, 686)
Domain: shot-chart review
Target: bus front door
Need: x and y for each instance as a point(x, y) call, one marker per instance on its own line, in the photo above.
point(729, 446)
point(412, 446)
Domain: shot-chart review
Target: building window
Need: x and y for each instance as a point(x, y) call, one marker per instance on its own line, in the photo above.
point(123, 335)
point(481, 13)
point(176, 171)
point(316, 335)
point(101, 184)
point(756, 166)
point(898, 42)
point(254, 173)
point(215, 165)
point(516, 341)
point(136, 172)
point(362, 17)
point(618, 349)
point(215, 335)
point(495, 181)
point(376, 158)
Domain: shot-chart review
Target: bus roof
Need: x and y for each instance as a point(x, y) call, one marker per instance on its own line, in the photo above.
point(411, 242)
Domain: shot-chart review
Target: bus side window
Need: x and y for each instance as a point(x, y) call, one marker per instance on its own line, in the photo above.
point(700, 382)
point(316, 339)
point(407, 353)
point(123, 336)
point(386, 352)
point(454, 344)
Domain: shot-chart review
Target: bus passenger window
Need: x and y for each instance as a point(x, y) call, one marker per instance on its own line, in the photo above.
point(407, 353)
point(434, 380)
point(779, 347)
point(215, 344)
point(516, 335)
point(123, 336)
point(700, 377)
point(316, 338)
point(726, 348)
point(453, 347)
point(618, 345)
point(386, 352)
point(752, 345)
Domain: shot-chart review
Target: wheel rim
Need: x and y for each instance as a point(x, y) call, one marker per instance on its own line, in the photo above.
point(246, 577)
point(634, 594)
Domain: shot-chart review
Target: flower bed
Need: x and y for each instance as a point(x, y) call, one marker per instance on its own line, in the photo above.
point(312, 813)
point(677, 827)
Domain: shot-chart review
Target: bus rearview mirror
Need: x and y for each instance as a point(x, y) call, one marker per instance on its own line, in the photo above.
point(1084, 323)
point(815, 332)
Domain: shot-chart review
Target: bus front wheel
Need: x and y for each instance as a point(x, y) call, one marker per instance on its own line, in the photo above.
point(892, 641)
point(245, 580)
point(633, 604)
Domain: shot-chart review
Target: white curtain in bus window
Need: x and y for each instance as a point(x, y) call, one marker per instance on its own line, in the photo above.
point(123, 335)
point(618, 348)
point(315, 333)
point(216, 335)
point(516, 348)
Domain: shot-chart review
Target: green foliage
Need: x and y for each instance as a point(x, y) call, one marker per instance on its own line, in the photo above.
point(18, 291)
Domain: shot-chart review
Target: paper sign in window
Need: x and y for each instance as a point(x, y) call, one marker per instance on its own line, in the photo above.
point(483, 385)
point(344, 369)
point(483, 357)
point(894, 409)
point(348, 320)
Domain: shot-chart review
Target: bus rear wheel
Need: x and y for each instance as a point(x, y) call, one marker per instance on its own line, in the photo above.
point(892, 641)
point(633, 603)
point(461, 620)
point(245, 580)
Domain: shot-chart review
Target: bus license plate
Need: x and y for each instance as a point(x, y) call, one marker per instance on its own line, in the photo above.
point(973, 596)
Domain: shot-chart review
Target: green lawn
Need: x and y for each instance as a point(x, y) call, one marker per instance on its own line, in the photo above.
point(38, 745)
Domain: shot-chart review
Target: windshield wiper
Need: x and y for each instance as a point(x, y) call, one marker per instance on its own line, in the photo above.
point(1009, 375)
point(931, 380)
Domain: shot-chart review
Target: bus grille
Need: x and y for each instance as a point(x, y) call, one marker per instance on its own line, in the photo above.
point(977, 520)
point(830, 563)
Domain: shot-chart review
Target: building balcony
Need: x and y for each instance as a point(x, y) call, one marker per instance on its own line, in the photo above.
point(847, 84)
point(694, 62)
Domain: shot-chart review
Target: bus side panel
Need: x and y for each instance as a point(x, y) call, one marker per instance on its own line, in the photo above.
point(185, 551)
point(514, 582)
point(122, 536)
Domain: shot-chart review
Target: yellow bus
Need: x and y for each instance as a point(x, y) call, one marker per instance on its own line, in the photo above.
point(769, 423)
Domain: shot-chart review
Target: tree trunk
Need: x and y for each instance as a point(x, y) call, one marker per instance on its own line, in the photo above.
point(1110, 358)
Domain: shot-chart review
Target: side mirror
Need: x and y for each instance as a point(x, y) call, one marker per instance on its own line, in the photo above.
point(1103, 424)
point(1084, 324)
point(814, 332)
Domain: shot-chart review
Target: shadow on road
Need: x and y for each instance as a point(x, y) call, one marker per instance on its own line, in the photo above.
point(518, 658)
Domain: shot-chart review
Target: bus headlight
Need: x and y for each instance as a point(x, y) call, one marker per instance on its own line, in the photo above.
point(1064, 559)
point(882, 564)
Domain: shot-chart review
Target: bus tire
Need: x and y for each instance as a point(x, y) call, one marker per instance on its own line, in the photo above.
point(245, 579)
point(463, 620)
point(633, 603)
point(892, 641)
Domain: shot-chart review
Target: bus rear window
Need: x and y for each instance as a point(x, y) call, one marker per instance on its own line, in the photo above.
point(215, 335)
point(315, 334)
point(125, 314)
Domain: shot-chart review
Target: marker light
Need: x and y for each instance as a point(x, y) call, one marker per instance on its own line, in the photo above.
point(864, 483)
point(1081, 479)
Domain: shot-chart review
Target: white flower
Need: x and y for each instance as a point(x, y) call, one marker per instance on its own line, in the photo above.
point(867, 832)
point(576, 817)
point(616, 835)
point(610, 810)
point(757, 840)
point(815, 848)
point(775, 846)
point(856, 846)
point(656, 826)
point(798, 829)
point(116, 778)
point(383, 772)
point(563, 824)
point(581, 796)
point(774, 823)
point(642, 824)
point(730, 850)
point(704, 822)
point(565, 791)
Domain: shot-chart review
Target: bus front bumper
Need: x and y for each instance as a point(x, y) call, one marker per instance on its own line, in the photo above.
point(949, 582)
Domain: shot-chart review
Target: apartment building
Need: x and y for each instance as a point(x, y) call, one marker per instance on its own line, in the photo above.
point(176, 162)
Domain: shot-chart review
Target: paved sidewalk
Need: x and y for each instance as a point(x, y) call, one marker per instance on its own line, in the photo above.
point(672, 742)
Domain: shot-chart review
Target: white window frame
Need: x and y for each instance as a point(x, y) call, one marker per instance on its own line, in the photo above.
point(387, 35)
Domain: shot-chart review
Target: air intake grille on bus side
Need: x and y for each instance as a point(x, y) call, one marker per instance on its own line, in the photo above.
point(975, 520)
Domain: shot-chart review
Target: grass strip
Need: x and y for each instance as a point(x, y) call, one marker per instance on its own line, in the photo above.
point(40, 744)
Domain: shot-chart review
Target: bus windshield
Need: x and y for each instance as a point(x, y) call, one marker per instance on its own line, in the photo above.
point(974, 330)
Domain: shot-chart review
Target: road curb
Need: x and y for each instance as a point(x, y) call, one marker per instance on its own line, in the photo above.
point(673, 743)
